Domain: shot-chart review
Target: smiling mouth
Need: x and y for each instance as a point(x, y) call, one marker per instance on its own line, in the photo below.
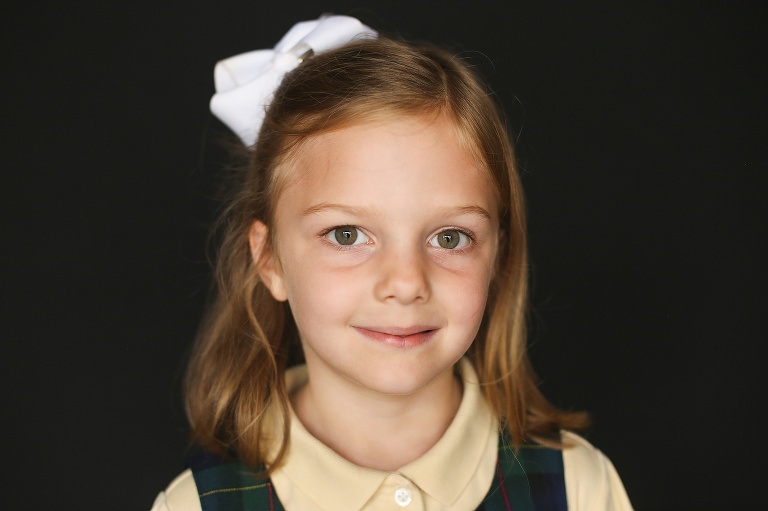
point(396, 337)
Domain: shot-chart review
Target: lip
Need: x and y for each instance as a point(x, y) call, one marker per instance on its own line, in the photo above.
point(399, 337)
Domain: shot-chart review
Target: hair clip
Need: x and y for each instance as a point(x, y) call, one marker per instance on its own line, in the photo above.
point(246, 83)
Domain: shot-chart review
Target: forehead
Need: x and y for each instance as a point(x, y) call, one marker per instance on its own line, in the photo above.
point(397, 157)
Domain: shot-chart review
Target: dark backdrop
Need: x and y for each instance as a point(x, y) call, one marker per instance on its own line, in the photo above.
point(641, 133)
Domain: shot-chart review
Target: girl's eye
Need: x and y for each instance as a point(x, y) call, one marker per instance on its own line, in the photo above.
point(346, 235)
point(450, 239)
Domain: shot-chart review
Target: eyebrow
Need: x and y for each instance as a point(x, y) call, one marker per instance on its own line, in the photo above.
point(362, 211)
point(468, 210)
point(325, 206)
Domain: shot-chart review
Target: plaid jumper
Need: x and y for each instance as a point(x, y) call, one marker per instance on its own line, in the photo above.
point(528, 479)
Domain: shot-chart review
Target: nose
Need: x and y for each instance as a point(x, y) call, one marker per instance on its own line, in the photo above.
point(403, 276)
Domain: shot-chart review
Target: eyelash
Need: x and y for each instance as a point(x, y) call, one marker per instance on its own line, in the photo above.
point(471, 238)
point(469, 235)
point(338, 246)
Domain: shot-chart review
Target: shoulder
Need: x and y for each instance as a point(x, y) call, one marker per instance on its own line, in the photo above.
point(180, 495)
point(591, 482)
point(579, 456)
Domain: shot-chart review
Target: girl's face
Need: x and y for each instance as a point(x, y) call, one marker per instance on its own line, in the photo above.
point(386, 239)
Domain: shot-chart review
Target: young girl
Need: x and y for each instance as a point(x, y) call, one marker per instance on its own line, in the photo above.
point(379, 234)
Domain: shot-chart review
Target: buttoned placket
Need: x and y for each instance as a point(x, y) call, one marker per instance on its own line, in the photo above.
point(398, 493)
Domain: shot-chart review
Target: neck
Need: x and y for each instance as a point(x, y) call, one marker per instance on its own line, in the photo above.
point(373, 430)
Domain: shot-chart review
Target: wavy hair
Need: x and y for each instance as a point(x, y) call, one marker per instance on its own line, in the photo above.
point(237, 367)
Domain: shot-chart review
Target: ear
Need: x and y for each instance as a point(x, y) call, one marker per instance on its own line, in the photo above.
point(266, 262)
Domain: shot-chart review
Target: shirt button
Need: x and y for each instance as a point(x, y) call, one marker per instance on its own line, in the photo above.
point(403, 496)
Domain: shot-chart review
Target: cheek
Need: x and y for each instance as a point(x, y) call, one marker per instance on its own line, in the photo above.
point(466, 297)
point(474, 302)
point(317, 296)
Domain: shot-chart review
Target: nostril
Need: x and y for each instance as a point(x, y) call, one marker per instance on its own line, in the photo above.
point(402, 277)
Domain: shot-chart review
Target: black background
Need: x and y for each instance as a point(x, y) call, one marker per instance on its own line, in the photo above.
point(641, 133)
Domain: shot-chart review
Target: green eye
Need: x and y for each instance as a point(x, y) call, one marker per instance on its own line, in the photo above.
point(450, 239)
point(346, 235)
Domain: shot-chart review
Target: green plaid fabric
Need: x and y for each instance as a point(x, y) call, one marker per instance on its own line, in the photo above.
point(230, 486)
point(530, 478)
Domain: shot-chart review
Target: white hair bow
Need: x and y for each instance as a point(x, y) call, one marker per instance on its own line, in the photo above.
point(245, 83)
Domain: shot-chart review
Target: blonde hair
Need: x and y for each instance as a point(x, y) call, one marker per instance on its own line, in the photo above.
point(236, 371)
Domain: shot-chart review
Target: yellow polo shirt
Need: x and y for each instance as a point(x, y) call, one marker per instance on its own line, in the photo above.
point(455, 474)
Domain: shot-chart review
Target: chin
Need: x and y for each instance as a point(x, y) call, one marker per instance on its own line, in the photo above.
point(401, 382)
